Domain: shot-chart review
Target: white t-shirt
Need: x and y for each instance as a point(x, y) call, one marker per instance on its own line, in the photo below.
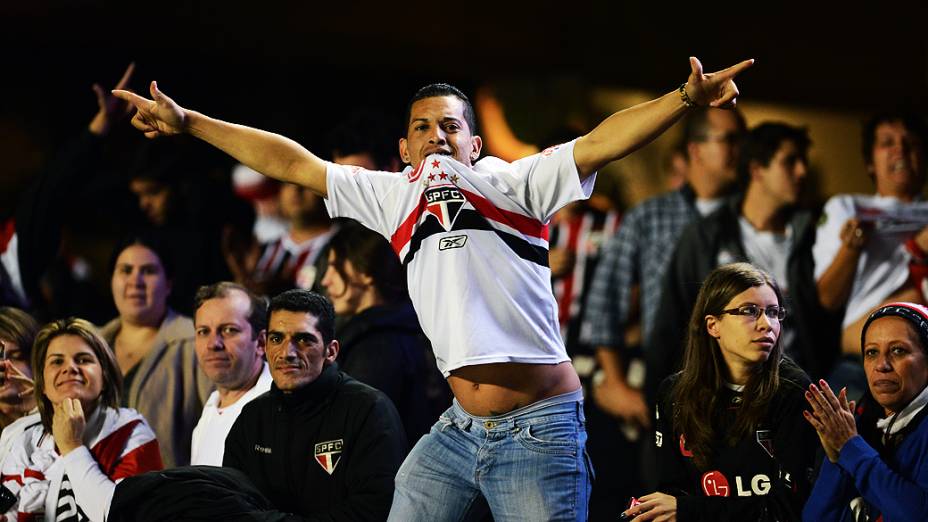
point(768, 250)
point(209, 437)
point(883, 266)
point(475, 245)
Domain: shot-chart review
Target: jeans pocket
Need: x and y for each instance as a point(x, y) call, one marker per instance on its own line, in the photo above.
point(557, 437)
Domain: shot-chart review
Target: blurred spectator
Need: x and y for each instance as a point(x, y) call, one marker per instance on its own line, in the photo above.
point(188, 214)
point(380, 341)
point(154, 347)
point(65, 467)
point(870, 250)
point(320, 444)
point(261, 192)
point(731, 442)
point(30, 234)
point(762, 226)
point(17, 402)
point(624, 294)
point(230, 327)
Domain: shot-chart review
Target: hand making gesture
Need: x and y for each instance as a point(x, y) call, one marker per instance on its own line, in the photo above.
point(716, 89)
point(159, 116)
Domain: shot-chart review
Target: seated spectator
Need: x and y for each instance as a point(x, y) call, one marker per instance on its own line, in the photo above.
point(861, 264)
point(875, 467)
point(380, 341)
point(230, 327)
point(17, 402)
point(66, 465)
point(154, 347)
point(765, 227)
point(319, 444)
point(730, 437)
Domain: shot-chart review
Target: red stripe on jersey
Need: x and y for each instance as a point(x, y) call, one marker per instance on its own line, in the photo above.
point(31, 473)
point(146, 457)
point(108, 452)
point(524, 224)
point(12, 478)
point(573, 237)
point(7, 229)
point(404, 233)
point(27, 517)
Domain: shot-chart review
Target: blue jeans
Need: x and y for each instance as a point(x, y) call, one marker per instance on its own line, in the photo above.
point(528, 464)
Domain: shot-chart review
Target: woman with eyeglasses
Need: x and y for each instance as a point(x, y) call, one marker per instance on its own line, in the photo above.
point(731, 440)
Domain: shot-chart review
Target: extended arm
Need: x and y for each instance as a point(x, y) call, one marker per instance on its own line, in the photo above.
point(626, 131)
point(268, 153)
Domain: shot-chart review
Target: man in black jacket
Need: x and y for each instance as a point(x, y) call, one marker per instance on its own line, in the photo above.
point(320, 444)
point(762, 226)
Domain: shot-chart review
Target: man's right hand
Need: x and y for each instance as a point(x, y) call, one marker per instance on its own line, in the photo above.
point(622, 401)
point(159, 116)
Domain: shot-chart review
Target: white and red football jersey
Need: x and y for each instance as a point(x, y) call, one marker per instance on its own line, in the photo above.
point(474, 241)
point(79, 485)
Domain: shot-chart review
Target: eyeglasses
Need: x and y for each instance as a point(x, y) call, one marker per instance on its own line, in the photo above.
point(750, 310)
point(729, 138)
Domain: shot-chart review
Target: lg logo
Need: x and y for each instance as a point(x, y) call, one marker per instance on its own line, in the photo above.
point(714, 484)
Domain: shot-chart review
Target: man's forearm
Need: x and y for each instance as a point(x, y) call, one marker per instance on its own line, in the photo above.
point(270, 154)
point(626, 131)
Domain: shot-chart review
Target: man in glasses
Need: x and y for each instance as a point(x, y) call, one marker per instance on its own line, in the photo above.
point(762, 226)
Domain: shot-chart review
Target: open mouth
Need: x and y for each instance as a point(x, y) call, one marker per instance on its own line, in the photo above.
point(900, 165)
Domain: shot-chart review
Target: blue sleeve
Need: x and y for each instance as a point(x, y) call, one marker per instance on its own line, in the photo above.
point(830, 496)
point(897, 497)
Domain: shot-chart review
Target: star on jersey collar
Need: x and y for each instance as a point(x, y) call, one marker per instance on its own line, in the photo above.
point(442, 175)
point(435, 164)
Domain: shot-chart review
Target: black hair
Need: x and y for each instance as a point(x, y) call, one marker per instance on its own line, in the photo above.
point(912, 122)
point(365, 132)
point(149, 241)
point(310, 302)
point(696, 125)
point(762, 142)
point(443, 89)
point(257, 310)
point(370, 254)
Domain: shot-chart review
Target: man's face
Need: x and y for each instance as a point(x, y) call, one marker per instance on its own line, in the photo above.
point(228, 350)
point(437, 126)
point(295, 350)
point(782, 178)
point(898, 161)
point(154, 199)
point(300, 204)
point(717, 155)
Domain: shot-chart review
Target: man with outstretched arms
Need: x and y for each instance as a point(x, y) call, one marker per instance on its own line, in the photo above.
point(473, 237)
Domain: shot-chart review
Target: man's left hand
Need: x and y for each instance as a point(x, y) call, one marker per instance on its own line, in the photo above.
point(716, 89)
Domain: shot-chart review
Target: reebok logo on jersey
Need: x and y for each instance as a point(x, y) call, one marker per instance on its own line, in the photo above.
point(447, 243)
point(328, 454)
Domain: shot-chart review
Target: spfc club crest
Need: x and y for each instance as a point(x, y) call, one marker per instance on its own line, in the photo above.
point(765, 439)
point(328, 454)
point(444, 202)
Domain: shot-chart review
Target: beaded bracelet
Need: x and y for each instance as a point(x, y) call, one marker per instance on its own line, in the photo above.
point(685, 98)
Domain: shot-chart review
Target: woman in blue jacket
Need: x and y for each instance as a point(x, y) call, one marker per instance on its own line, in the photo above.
point(875, 467)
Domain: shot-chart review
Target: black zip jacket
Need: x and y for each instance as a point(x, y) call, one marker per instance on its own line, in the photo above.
point(327, 452)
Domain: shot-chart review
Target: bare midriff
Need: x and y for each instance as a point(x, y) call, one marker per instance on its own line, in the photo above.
point(850, 337)
point(494, 389)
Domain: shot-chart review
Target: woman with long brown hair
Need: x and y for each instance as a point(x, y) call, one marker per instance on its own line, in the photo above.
point(65, 465)
point(732, 443)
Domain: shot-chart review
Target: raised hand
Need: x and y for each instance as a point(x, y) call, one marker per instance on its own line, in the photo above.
point(68, 425)
point(111, 109)
point(159, 116)
point(832, 417)
point(716, 89)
